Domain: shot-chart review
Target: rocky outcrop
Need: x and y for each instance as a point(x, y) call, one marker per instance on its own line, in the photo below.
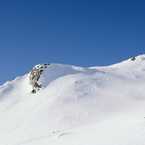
point(34, 76)
point(133, 59)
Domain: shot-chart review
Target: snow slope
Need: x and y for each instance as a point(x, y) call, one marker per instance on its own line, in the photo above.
point(77, 106)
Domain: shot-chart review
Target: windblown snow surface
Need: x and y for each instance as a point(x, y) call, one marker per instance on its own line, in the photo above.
point(77, 106)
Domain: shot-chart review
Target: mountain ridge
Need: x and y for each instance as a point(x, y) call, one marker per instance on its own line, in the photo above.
point(139, 58)
point(76, 105)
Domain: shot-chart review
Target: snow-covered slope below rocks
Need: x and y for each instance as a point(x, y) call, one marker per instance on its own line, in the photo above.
point(76, 106)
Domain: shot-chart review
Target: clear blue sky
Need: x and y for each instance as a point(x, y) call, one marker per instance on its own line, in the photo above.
point(76, 32)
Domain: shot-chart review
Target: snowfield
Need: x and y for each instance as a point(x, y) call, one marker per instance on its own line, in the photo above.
point(76, 106)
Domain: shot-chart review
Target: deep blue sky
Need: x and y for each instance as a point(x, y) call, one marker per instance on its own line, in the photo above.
point(76, 32)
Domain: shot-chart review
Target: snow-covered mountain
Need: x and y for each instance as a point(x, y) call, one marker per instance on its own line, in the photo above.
point(57, 104)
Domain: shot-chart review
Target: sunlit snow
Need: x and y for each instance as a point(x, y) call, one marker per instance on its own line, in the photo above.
point(77, 106)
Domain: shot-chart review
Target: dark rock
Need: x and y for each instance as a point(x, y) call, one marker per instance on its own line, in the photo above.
point(33, 91)
point(133, 59)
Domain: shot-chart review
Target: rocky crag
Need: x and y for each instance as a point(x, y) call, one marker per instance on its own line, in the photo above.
point(34, 76)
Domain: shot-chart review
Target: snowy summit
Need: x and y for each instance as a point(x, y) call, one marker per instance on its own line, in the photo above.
point(56, 104)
